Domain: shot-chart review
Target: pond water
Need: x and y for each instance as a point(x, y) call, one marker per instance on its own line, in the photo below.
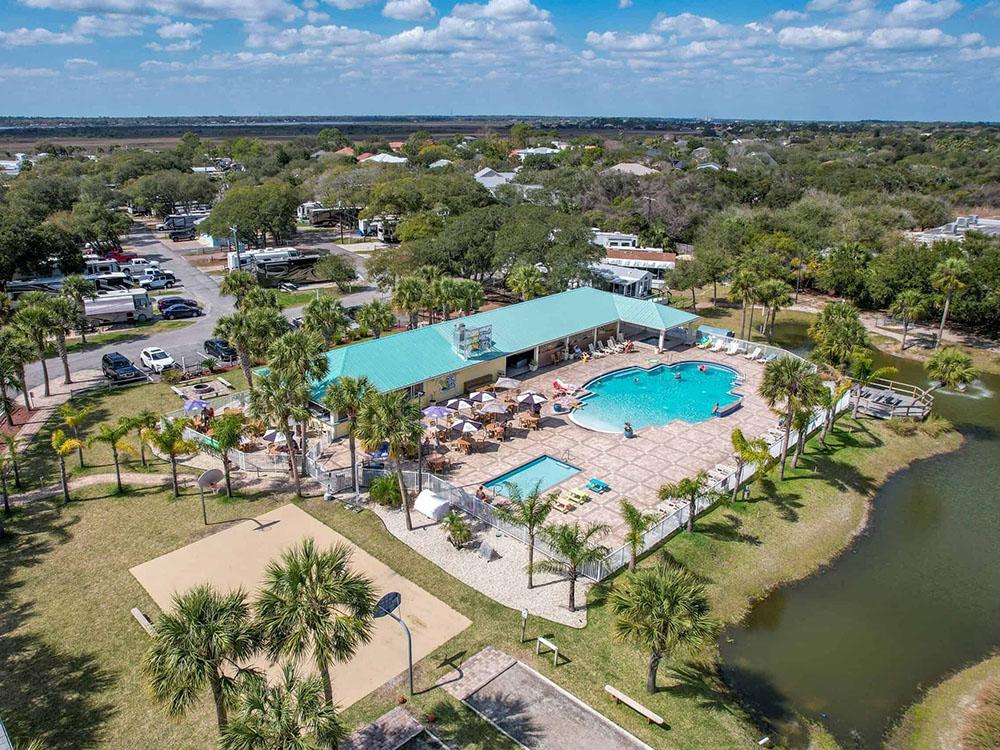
point(915, 598)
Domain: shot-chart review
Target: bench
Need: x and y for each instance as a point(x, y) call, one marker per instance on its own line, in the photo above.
point(539, 642)
point(143, 620)
point(620, 697)
point(226, 383)
point(177, 390)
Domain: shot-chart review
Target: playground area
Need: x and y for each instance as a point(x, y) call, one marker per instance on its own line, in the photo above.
point(237, 557)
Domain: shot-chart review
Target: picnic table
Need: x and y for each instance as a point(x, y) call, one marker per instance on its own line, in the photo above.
point(497, 430)
point(438, 462)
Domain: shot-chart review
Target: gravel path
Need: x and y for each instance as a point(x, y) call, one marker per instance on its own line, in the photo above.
point(503, 579)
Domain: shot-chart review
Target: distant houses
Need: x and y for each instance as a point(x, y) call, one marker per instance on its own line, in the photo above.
point(631, 168)
point(491, 180)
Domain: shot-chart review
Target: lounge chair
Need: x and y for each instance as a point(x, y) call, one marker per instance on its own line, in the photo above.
point(615, 347)
point(768, 358)
point(719, 343)
point(603, 349)
point(754, 354)
point(578, 496)
point(733, 348)
point(705, 342)
point(594, 353)
point(596, 485)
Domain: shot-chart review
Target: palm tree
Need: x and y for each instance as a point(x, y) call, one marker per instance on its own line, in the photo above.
point(325, 317)
point(576, 547)
point(300, 357)
point(791, 382)
point(114, 438)
point(952, 367)
point(662, 610)
point(470, 295)
point(742, 289)
point(312, 602)
point(837, 332)
point(748, 452)
point(79, 289)
point(228, 432)
point(16, 351)
point(527, 511)
point(863, 373)
point(13, 452)
point(448, 294)
point(238, 284)
point(949, 278)
point(909, 305)
point(204, 641)
point(279, 400)
point(140, 422)
point(259, 298)
point(291, 715)
point(637, 524)
point(4, 460)
point(250, 332)
point(73, 418)
point(169, 440)
point(773, 294)
point(800, 422)
point(376, 317)
point(63, 447)
point(65, 316)
point(525, 281)
point(391, 419)
point(343, 398)
point(828, 398)
point(688, 489)
point(34, 317)
point(408, 297)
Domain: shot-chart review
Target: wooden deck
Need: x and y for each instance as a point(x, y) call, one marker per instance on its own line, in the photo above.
point(887, 399)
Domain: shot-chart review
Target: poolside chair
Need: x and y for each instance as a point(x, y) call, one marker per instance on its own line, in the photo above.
point(705, 342)
point(768, 358)
point(596, 485)
point(615, 347)
point(719, 343)
point(594, 353)
point(733, 348)
point(754, 354)
point(603, 349)
point(578, 496)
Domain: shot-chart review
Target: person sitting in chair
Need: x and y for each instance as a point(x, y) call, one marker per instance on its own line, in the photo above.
point(481, 493)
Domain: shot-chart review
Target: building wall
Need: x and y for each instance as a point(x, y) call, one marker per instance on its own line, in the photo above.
point(450, 386)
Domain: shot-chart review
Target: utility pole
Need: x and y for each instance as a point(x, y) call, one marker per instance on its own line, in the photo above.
point(236, 247)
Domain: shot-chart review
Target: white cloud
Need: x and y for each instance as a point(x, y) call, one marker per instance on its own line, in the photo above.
point(909, 37)
point(787, 16)
point(180, 30)
point(504, 10)
point(690, 25)
point(981, 53)
point(30, 37)
point(14, 72)
point(839, 6)
point(185, 45)
point(914, 12)
point(115, 24)
point(316, 16)
point(79, 62)
point(409, 10)
point(615, 41)
point(247, 10)
point(623, 4)
point(309, 36)
point(817, 37)
point(349, 4)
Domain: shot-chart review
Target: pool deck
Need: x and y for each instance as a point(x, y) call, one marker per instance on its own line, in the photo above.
point(634, 468)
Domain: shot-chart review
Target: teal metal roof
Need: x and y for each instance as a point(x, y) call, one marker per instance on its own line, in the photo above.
point(422, 354)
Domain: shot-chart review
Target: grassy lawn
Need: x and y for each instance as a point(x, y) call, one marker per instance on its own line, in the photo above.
point(126, 335)
point(936, 722)
point(302, 296)
point(66, 623)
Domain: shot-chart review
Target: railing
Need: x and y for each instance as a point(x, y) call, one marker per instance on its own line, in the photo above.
point(745, 347)
point(923, 398)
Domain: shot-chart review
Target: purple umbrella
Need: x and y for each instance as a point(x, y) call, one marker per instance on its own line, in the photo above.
point(195, 404)
point(437, 412)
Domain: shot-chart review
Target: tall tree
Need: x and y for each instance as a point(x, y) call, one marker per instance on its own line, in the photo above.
point(791, 383)
point(748, 452)
point(576, 547)
point(662, 610)
point(743, 289)
point(391, 420)
point(113, 436)
point(950, 277)
point(142, 420)
point(688, 489)
point(73, 419)
point(204, 641)
point(637, 524)
point(828, 398)
point(63, 446)
point(325, 317)
point(278, 399)
point(408, 297)
point(952, 367)
point(344, 398)
point(529, 512)
point(79, 289)
point(313, 603)
point(774, 294)
point(228, 432)
point(169, 440)
point(300, 358)
point(11, 442)
point(16, 351)
point(909, 305)
point(687, 275)
point(250, 332)
point(65, 316)
point(525, 281)
point(863, 373)
point(238, 284)
point(34, 317)
point(837, 332)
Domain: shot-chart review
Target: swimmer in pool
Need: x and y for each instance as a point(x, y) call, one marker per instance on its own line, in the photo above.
point(702, 368)
point(677, 375)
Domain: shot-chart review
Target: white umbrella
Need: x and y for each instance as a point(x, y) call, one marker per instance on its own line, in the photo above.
point(531, 398)
point(459, 404)
point(493, 407)
point(466, 426)
point(506, 384)
point(273, 436)
point(481, 397)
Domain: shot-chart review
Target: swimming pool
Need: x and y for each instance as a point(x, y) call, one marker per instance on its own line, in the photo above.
point(544, 471)
point(655, 396)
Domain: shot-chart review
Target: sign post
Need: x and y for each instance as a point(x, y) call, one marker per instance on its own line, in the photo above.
point(385, 607)
point(524, 623)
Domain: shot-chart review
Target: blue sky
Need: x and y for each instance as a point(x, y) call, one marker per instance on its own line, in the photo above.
point(809, 59)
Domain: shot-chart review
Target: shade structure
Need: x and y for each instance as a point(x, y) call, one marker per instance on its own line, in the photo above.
point(481, 397)
point(531, 398)
point(195, 404)
point(466, 426)
point(493, 407)
point(273, 436)
point(436, 412)
point(506, 384)
point(459, 404)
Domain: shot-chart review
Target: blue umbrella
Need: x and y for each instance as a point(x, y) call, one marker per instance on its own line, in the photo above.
point(437, 412)
point(195, 404)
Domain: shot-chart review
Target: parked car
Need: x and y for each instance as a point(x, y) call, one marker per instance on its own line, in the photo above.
point(155, 359)
point(182, 234)
point(172, 312)
point(156, 282)
point(119, 255)
point(288, 286)
point(220, 349)
point(165, 302)
point(119, 368)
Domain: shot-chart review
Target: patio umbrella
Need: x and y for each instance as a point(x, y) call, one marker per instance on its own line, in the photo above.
point(493, 407)
point(459, 404)
point(531, 398)
point(466, 426)
point(506, 384)
point(273, 436)
point(481, 397)
point(195, 404)
point(436, 412)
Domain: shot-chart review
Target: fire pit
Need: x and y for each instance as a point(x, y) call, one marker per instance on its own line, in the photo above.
point(203, 388)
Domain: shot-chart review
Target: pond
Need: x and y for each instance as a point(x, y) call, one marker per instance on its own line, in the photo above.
point(915, 598)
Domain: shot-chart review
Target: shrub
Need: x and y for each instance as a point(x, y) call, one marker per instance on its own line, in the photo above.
point(173, 376)
point(384, 490)
point(934, 426)
point(210, 363)
point(459, 533)
point(903, 427)
point(981, 727)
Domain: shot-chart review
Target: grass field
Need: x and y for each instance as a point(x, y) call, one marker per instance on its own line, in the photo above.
point(301, 297)
point(938, 720)
point(124, 335)
point(66, 599)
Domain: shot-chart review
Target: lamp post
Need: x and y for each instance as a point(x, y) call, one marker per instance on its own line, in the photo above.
point(236, 246)
point(385, 607)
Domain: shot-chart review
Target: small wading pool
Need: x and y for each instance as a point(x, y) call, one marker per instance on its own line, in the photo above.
point(544, 471)
point(656, 396)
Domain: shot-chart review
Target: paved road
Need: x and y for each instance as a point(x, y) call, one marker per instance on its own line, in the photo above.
point(183, 342)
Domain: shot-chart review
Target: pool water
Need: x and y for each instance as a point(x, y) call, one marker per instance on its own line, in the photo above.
point(544, 471)
point(656, 396)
